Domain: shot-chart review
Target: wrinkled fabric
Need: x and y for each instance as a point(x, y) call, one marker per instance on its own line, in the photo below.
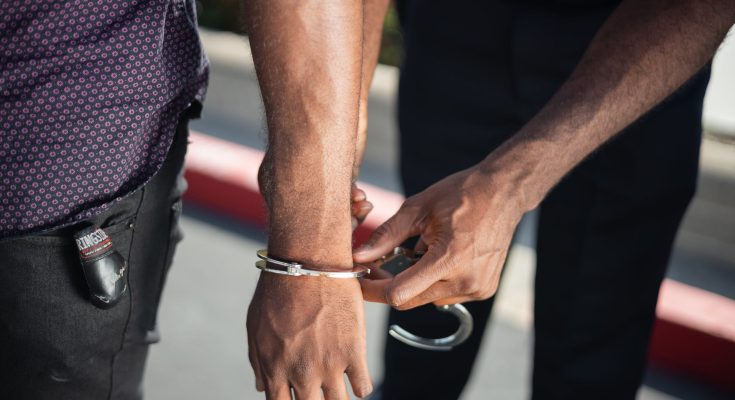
point(55, 343)
point(90, 95)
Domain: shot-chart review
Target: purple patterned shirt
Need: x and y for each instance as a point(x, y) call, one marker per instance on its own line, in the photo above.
point(90, 95)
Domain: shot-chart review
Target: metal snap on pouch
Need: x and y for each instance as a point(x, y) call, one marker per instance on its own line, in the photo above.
point(104, 268)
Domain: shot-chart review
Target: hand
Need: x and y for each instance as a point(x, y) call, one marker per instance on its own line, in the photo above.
point(360, 206)
point(466, 222)
point(305, 333)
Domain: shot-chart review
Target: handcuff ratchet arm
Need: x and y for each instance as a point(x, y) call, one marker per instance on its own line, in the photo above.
point(403, 258)
point(439, 344)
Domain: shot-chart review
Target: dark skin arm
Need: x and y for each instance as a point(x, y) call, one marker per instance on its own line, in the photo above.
point(643, 52)
point(374, 14)
point(305, 333)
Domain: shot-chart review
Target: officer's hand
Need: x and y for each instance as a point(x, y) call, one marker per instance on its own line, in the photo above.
point(305, 333)
point(466, 222)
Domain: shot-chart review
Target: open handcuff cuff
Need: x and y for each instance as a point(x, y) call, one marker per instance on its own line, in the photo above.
point(400, 259)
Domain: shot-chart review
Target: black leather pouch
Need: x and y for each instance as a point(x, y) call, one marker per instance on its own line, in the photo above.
point(104, 268)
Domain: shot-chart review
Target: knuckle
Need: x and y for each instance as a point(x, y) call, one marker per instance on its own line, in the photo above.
point(468, 286)
point(346, 352)
point(394, 297)
point(410, 204)
point(339, 359)
point(476, 287)
point(272, 386)
point(382, 231)
point(409, 210)
point(331, 392)
point(251, 357)
point(349, 351)
point(446, 266)
point(488, 291)
point(270, 372)
point(301, 371)
point(493, 288)
point(485, 295)
point(481, 295)
point(271, 379)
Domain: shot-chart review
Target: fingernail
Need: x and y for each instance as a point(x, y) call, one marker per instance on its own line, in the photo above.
point(363, 248)
point(358, 195)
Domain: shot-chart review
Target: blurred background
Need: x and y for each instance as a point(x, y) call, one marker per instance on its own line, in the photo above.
point(203, 349)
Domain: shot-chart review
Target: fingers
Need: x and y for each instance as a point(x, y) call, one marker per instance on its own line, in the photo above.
point(421, 246)
point(312, 391)
point(259, 385)
point(417, 279)
point(392, 233)
point(359, 377)
point(357, 194)
point(448, 287)
point(375, 290)
point(440, 293)
point(360, 206)
point(360, 211)
point(305, 349)
point(436, 292)
point(335, 389)
point(278, 391)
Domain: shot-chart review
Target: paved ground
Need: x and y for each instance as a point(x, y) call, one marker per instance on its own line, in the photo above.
point(203, 354)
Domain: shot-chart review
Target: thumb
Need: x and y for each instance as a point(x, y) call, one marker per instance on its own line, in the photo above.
point(401, 226)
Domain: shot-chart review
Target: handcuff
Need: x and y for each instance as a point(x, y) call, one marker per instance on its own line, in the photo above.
point(281, 267)
point(400, 259)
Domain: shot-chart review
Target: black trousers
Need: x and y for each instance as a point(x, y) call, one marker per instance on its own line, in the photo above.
point(605, 232)
point(54, 344)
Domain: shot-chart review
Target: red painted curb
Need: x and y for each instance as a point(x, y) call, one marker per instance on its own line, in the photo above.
point(223, 176)
point(694, 333)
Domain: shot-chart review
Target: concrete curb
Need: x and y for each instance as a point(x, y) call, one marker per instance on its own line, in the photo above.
point(694, 334)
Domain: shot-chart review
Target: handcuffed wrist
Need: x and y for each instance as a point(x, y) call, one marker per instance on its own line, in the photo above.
point(292, 268)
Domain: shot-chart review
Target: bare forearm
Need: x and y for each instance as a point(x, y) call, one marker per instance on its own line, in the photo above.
point(373, 17)
point(308, 57)
point(643, 52)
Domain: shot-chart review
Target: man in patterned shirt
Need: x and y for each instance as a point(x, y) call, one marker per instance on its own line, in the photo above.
point(94, 101)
